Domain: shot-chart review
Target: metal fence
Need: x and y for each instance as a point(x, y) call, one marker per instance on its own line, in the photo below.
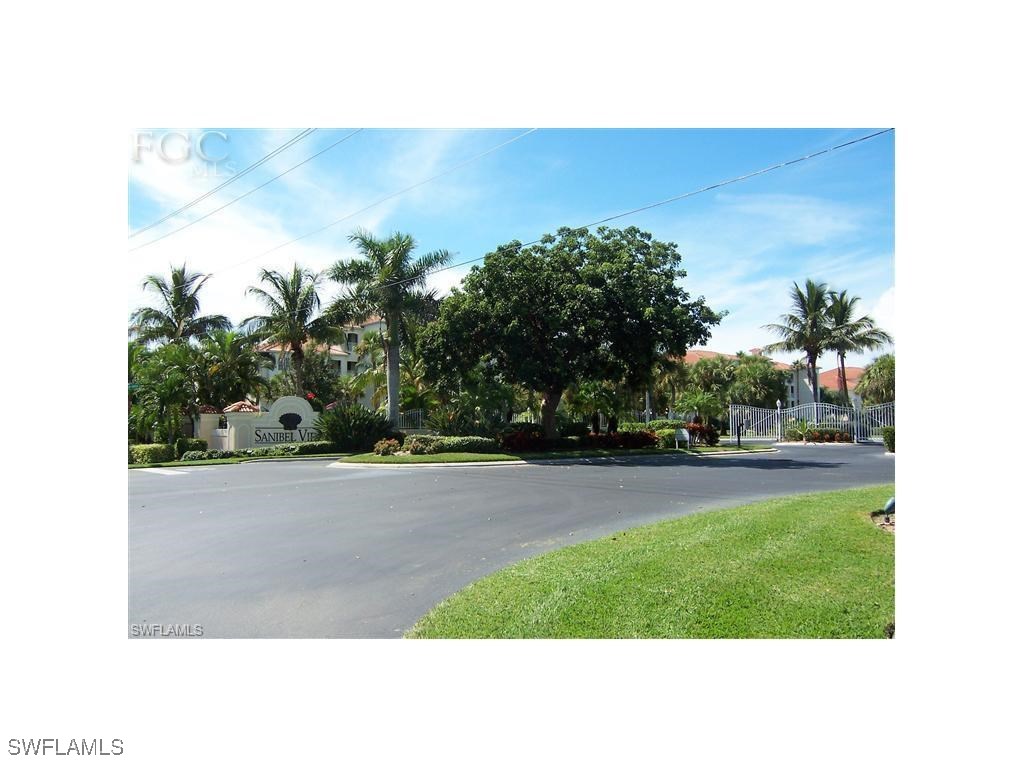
point(864, 424)
point(410, 420)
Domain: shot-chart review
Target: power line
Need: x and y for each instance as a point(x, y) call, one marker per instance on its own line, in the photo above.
point(677, 198)
point(254, 189)
point(233, 178)
point(381, 200)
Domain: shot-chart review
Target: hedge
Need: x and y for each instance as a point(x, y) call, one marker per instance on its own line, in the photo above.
point(311, 448)
point(184, 444)
point(889, 438)
point(150, 453)
point(430, 444)
point(656, 425)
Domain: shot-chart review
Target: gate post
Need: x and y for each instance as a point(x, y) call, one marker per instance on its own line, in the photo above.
point(778, 420)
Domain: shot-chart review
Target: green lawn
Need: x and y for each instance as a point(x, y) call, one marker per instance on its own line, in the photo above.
point(811, 566)
point(431, 458)
point(238, 460)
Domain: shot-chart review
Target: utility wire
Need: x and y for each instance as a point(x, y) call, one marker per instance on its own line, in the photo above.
point(381, 200)
point(709, 187)
point(254, 189)
point(233, 178)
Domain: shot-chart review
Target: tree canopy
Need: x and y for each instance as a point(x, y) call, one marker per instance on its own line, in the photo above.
point(577, 306)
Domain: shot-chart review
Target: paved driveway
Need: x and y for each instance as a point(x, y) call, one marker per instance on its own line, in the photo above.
point(306, 549)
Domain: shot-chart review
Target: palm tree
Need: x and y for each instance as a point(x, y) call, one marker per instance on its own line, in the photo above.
point(231, 368)
point(292, 318)
point(176, 318)
point(849, 333)
point(878, 382)
point(805, 328)
point(389, 283)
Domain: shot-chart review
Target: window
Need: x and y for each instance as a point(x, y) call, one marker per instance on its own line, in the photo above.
point(351, 366)
point(337, 367)
point(351, 340)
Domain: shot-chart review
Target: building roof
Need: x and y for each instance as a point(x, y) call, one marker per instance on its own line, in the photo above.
point(693, 355)
point(830, 378)
point(242, 406)
point(333, 349)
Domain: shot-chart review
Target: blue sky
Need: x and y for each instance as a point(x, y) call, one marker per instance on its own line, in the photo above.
point(830, 218)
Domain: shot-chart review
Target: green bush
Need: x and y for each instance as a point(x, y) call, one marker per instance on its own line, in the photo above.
point(656, 425)
point(386, 447)
point(889, 438)
point(193, 455)
point(184, 444)
point(150, 453)
point(573, 429)
point(421, 444)
point(465, 444)
point(353, 428)
point(430, 444)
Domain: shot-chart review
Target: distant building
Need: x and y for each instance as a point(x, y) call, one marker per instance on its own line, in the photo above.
point(798, 388)
point(343, 356)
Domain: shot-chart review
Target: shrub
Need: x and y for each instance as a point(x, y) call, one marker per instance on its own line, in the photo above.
point(574, 429)
point(666, 438)
point(631, 440)
point(889, 438)
point(193, 455)
point(386, 447)
point(313, 447)
point(150, 453)
point(184, 444)
point(702, 433)
point(420, 444)
point(529, 438)
point(656, 425)
point(466, 444)
point(353, 428)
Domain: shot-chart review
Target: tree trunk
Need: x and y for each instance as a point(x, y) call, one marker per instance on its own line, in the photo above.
point(842, 379)
point(394, 372)
point(812, 375)
point(547, 413)
point(298, 358)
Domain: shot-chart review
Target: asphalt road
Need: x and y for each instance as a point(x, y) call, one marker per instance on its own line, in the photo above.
point(307, 549)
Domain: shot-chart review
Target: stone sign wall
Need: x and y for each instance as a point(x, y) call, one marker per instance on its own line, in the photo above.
point(289, 420)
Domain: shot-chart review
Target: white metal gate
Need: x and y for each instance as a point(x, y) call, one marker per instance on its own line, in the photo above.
point(863, 424)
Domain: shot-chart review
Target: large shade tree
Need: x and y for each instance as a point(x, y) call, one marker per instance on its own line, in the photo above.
point(578, 306)
point(292, 316)
point(386, 281)
point(805, 328)
point(849, 333)
point(175, 317)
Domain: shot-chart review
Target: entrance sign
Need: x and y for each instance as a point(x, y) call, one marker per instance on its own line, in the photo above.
point(290, 420)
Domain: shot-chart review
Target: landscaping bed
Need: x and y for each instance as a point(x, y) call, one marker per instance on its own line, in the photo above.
point(809, 566)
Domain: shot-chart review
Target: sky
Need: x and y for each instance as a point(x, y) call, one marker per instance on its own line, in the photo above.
point(830, 218)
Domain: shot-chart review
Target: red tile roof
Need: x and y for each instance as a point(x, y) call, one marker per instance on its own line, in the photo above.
point(693, 355)
point(830, 379)
point(242, 406)
point(208, 409)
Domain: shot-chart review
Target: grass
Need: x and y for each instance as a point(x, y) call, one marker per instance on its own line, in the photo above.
point(432, 458)
point(444, 458)
point(810, 566)
point(238, 460)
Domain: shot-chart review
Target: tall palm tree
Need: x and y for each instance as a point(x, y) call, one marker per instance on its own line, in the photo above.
point(292, 318)
point(805, 328)
point(176, 317)
point(231, 368)
point(849, 333)
point(387, 281)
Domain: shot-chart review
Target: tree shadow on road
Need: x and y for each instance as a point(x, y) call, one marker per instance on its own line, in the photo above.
point(764, 461)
